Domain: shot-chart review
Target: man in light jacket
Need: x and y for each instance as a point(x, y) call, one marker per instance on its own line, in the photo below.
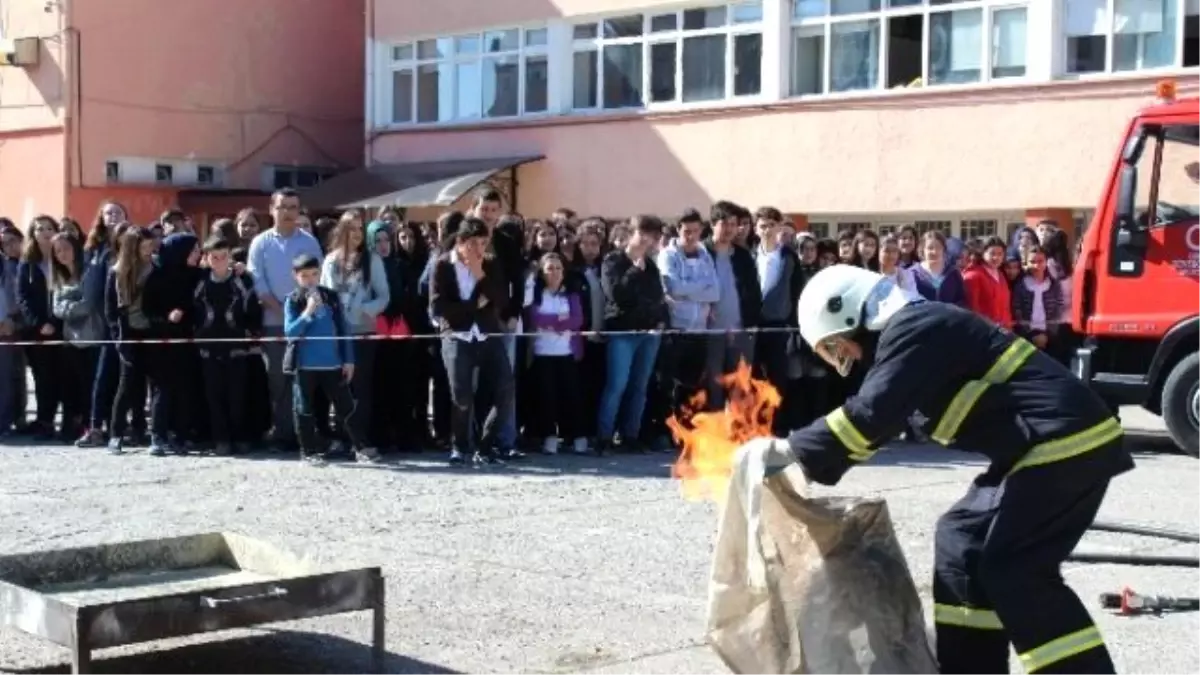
point(692, 288)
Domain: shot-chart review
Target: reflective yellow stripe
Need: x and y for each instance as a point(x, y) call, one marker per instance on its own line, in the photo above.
point(966, 617)
point(1061, 648)
point(1071, 446)
point(856, 444)
point(960, 406)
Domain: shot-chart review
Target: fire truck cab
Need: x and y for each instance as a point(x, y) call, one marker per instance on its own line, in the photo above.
point(1136, 294)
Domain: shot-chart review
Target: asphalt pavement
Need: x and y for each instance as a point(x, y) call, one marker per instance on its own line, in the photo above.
point(564, 564)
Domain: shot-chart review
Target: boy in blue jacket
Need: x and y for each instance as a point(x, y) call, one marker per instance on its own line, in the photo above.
point(320, 358)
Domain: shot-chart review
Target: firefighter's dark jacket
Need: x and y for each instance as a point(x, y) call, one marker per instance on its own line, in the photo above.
point(983, 389)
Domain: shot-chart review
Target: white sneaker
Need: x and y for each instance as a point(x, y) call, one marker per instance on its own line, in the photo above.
point(581, 446)
point(550, 445)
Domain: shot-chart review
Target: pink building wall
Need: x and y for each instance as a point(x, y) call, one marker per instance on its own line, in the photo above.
point(33, 110)
point(238, 84)
point(242, 83)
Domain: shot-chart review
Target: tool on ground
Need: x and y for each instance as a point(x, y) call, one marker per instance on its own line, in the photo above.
point(1130, 603)
point(1134, 559)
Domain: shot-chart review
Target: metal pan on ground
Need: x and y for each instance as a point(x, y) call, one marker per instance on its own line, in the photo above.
point(128, 593)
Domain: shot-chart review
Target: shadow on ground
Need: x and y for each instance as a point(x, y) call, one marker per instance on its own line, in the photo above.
point(277, 652)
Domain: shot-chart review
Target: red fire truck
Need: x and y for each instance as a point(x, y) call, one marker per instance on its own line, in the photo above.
point(1137, 291)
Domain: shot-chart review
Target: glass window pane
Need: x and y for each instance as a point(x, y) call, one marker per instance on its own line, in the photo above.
point(1085, 54)
point(434, 49)
point(584, 89)
point(470, 91)
point(704, 68)
point(1144, 34)
point(747, 64)
point(904, 3)
point(747, 12)
point(537, 84)
point(501, 86)
point(664, 23)
point(699, 19)
point(854, 55)
point(622, 76)
point(466, 44)
point(808, 60)
point(623, 26)
point(584, 31)
point(840, 7)
point(536, 37)
point(502, 40)
point(955, 46)
point(402, 52)
point(402, 95)
point(662, 71)
point(809, 9)
point(1008, 42)
point(435, 93)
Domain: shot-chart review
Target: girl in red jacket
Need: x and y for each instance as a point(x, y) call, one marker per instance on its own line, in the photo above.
point(986, 287)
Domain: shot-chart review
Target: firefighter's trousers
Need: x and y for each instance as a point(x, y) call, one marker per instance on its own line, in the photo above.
point(997, 578)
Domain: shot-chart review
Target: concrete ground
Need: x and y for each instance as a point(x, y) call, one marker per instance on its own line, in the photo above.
point(565, 565)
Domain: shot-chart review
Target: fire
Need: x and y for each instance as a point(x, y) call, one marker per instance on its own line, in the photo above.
point(710, 439)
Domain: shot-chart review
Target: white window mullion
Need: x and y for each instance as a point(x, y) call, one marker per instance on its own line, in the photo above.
point(827, 57)
point(985, 46)
point(560, 67)
point(776, 49)
point(926, 36)
point(600, 77)
point(647, 68)
point(729, 70)
point(885, 44)
point(1109, 37)
point(679, 67)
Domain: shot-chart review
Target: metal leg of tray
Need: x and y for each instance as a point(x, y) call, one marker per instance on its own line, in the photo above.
point(379, 626)
point(81, 651)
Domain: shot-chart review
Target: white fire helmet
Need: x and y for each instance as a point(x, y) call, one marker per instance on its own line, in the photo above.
point(832, 304)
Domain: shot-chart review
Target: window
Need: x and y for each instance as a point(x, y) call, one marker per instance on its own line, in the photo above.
point(112, 172)
point(298, 177)
point(164, 173)
point(692, 55)
point(205, 175)
point(852, 227)
point(1171, 185)
point(493, 74)
point(924, 226)
point(819, 230)
point(885, 229)
point(860, 45)
point(1103, 36)
point(977, 229)
point(1010, 230)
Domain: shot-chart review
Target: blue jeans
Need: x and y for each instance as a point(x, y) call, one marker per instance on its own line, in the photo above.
point(630, 365)
point(104, 386)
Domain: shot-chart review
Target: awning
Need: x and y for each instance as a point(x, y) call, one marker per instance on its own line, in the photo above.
point(439, 183)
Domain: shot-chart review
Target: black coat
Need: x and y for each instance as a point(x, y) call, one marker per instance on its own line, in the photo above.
point(929, 357)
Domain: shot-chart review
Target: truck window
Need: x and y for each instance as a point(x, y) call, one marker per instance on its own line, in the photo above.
point(1177, 177)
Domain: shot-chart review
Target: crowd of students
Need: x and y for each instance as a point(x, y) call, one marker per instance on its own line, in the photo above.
point(485, 334)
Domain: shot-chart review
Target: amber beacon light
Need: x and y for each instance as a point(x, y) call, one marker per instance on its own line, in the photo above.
point(1165, 90)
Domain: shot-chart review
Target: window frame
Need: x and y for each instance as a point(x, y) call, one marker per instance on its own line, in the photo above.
point(730, 30)
point(413, 63)
point(881, 16)
point(1061, 44)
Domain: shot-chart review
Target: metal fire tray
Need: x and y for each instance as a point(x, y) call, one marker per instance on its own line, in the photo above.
point(121, 594)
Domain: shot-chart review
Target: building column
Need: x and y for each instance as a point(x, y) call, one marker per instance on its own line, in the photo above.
point(1063, 218)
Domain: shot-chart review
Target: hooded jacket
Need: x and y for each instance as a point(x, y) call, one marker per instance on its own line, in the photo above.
point(171, 286)
point(690, 284)
point(396, 272)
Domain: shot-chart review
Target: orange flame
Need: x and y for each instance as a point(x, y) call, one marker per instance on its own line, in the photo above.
point(710, 439)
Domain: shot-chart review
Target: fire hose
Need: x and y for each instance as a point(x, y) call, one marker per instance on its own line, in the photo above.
point(1128, 603)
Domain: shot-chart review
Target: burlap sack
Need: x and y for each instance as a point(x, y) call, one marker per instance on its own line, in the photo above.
point(802, 585)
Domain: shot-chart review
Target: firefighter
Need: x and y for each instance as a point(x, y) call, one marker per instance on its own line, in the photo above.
point(1053, 447)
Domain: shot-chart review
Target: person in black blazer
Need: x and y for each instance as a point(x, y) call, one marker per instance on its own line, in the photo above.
point(33, 298)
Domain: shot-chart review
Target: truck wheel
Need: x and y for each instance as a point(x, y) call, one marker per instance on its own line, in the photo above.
point(1181, 404)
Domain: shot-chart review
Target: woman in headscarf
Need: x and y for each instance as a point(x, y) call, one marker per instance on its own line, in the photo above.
point(175, 368)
